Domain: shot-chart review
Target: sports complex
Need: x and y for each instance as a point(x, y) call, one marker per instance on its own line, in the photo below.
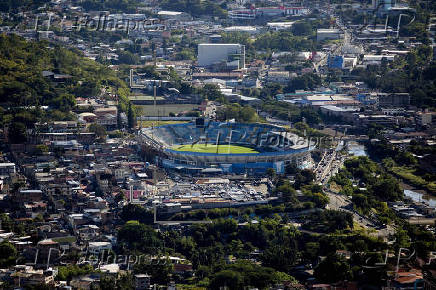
point(208, 147)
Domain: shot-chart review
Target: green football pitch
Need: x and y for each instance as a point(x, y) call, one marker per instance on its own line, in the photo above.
point(212, 148)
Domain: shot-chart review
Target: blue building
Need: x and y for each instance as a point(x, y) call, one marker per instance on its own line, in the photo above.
point(335, 61)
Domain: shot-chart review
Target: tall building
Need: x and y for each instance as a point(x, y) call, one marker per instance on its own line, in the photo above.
point(232, 55)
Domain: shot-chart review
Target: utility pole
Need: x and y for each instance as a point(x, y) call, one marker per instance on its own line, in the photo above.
point(154, 98)
point(36, 23)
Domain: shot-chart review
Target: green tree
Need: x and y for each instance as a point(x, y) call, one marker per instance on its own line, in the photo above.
point(41, 149)
point(68, 272)
point(137, 236)
point(387, 188)
point(211, 92)
point(388, 162)
point(185, 54)
point(287, 191)
point(107, 282)
point(124, 281)
point(227, 278)
point(159, 270)
point(280, 257)
point(17, 133)
point(360, 201)
point(137, 213)
point(126, 57)
point(100, 131)
point(6, 222)
point(311, 251)
point(304, 177)
point(333, 268)
point(406, 158)
point(271, 173)
point(402, 239)
point(302, 28)
point(320, 199)
point(131, 116)
point(196, 8)
point(8, 254)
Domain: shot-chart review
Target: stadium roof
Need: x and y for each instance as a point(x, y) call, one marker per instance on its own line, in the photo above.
point(212, 170)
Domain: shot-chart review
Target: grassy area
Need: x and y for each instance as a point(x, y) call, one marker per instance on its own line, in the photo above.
point(68, 239)
point(336, 188)
point(210, 148)
point(147, 124)
point(358, 228)
point(190, 287)
point(145, 98)
point(164, 110)
point(408, 174)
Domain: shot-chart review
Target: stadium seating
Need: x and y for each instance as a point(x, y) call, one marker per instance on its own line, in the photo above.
point(243, 134)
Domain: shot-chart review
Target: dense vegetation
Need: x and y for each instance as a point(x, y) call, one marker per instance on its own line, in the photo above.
point(126, 6)
point(221, 252)
point(196, 8)
point(208, 245)
point(405, 164)
point(244, 114)
point(24, 88)
point(414, 74)
point(13, 6)
point(283, 41)
point(239, 235)
point(290, 112)
point(329, 221)
point(301, 37)
point(370, 187)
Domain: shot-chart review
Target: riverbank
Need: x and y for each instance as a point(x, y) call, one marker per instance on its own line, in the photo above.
point(408, 174)
point(418, 195)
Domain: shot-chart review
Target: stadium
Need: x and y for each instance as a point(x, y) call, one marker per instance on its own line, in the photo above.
point(208, 147)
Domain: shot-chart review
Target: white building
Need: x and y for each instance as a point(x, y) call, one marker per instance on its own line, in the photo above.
point(244, 29)
point(97, 247)
point(176, 15)
point(214, 53)
point(280, 25)
point(424, 118)
point(369, 59)
point(7, 169)
point(350, 62)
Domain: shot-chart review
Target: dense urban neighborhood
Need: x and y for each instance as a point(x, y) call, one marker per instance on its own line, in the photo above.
point(229, 144)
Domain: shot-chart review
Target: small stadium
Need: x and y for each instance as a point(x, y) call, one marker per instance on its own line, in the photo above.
point(210, 147)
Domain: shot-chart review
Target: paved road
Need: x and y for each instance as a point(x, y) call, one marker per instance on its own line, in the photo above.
point(336, 50)
point(329, 165)
point(332, 161)
point(347, 40)
point(343, 203)
point(422, 221)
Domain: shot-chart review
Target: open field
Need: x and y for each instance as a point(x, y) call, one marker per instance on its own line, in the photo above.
point(164, 110)
point(212, 148)
point(145, 98)
point(147, 124)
